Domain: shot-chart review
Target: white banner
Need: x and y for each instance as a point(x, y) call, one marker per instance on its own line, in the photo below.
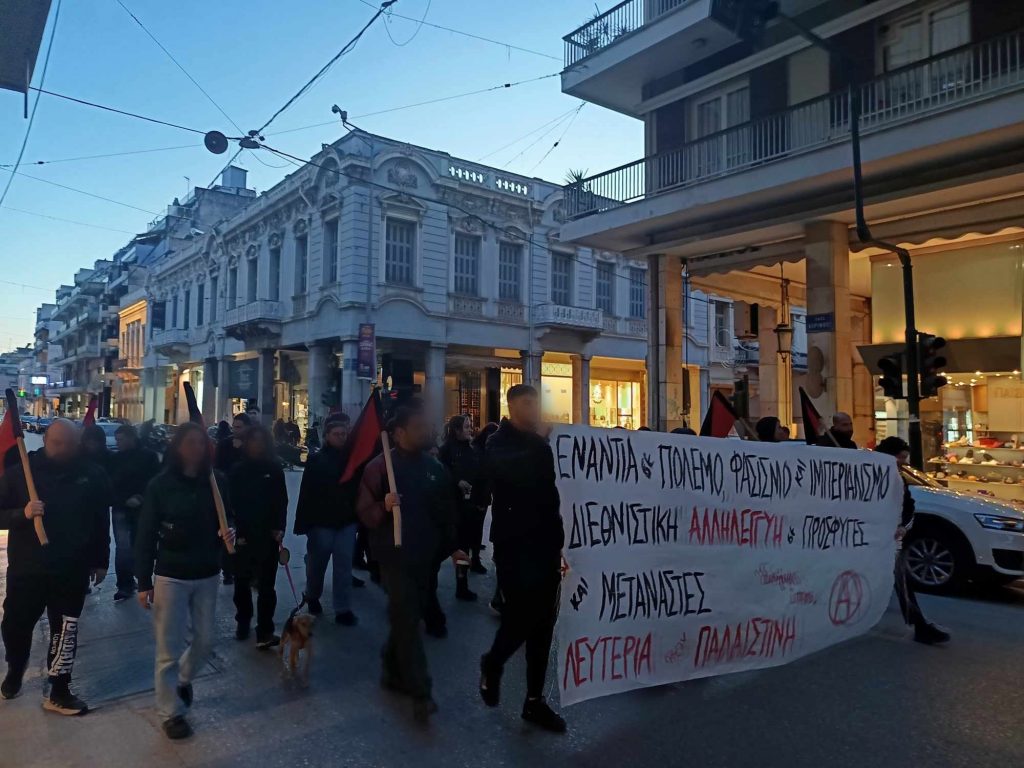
point(691, 557)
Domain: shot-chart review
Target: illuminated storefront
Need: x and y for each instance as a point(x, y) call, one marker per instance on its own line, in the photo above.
point(556, 384)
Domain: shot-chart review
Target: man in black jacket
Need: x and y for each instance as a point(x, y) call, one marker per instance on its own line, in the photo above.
point(131, 469)
point(840, 434)
point(326, 516)
point(259, 497)
point(229, 449)
point(924, 631)
point(74, 503)
point(526, 528)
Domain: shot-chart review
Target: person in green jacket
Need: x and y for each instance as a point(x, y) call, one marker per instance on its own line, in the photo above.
point(179, 538)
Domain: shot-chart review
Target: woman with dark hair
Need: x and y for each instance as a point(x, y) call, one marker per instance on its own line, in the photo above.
point(260, 499)
point(179, 537)
point(223, 430)
point(463, 464)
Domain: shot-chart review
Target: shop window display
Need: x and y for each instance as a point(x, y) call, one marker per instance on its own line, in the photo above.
point(556, 392)
point(615, 404)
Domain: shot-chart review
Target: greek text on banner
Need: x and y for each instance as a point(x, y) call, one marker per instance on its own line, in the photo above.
point(691, 557)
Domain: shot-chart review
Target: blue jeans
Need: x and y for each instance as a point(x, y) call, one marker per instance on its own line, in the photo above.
point(321, 545)
point(181, 609)
point(125, 522)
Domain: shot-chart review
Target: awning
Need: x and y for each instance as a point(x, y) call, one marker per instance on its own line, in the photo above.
point(22, 22)
point(999, 353)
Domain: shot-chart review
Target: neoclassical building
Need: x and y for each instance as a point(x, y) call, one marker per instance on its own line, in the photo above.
point(378, 259)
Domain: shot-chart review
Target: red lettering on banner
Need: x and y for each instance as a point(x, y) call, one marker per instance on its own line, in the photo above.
point(757, 637)
point(605, 658)
point(752, 528)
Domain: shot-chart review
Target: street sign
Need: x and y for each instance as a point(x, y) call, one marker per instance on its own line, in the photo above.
point(366, 360)
point(824, 322)
point(243, 379)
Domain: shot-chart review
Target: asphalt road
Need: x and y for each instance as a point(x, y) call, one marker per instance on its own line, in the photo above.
point(877, 700)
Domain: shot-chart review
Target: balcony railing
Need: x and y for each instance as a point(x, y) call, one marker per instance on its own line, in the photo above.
point(603, 30)
point(569, 317)
point(254, 311)
point(955, 78)
point(466, 306)
point(172, 337)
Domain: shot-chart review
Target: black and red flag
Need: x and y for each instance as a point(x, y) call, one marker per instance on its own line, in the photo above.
point(194, 412)
point(813, 423)
point(10, 431)
point(720, 418)
point(90, 412)
point(364, 442)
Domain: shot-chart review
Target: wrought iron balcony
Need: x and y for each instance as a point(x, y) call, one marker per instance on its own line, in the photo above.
point(948, 81)
point(570, 318)
point(262, 317)
point(603, 30)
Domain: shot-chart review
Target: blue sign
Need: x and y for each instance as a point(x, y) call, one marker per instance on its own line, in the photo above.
point(824, 322)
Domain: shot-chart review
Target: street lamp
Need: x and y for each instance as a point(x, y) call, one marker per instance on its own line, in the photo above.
point(784, 334)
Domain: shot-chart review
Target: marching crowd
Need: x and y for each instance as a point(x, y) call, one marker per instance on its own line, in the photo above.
point(170, 550)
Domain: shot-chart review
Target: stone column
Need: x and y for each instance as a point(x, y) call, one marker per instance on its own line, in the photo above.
point(266, 387)
point(829, 353)
point(209, 404)
point(318, 372)
point(433, 393)
point(531, 367)
point(665, 342)
point(774, 395)
point(223, 399)
point(581, 385)
point(353, 391)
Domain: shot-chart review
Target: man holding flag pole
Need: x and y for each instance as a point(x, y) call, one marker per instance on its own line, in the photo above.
point(50, 570)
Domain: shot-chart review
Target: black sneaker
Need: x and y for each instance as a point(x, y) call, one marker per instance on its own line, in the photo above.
point(11, 686)
point(267, 641)
point(357, 582)
point(177, 727)
point(185, 694)
point(315, 609)
point(346, 619)
point(422, 709)
point(930, 634)
point(538, 712)
point(490, 684)
point(65, 703)
point(120, 597)
point(242, 631)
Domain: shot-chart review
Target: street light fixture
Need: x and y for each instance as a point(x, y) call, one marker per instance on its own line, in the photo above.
point(784, 334)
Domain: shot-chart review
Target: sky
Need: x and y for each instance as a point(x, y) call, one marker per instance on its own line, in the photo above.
point(251, 57)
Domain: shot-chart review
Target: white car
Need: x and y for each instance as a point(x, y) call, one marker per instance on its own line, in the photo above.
point(957, 536)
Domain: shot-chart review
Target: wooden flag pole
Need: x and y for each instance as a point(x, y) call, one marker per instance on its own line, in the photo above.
point(396, 511)
point(222, 517)
point(32, 493)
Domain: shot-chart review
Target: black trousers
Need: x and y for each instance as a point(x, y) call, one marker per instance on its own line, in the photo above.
point(433, 614)
point(405, 661)
point(527, 617)
point(912, 613)
point(62, 596)
point(256, 565)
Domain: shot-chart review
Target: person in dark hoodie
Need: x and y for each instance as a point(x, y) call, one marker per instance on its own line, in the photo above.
point(770, 430)
point(259, 497)
point(74, 504)
point(326, 516)
point(424, 494)
point(94, 447)
point(131, 469)
point(463, 464)
point(924, 631)
point(227, 453)
point(526, 527)
point(179, 539)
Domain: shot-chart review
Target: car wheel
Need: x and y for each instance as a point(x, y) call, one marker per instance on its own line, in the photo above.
point(935, 561)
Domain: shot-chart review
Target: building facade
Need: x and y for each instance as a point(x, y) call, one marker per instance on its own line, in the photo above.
point(746, 186)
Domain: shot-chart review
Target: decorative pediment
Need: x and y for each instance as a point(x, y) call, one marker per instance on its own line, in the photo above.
point(398, 202)
point(403, 174)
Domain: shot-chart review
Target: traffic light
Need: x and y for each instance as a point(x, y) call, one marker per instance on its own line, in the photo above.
point(932, 361)
point(891, 380)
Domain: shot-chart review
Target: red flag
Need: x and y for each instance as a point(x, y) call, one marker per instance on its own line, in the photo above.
point(720, 419)
point(812, 419)
point(364, 442)
point(90, 412)
point(10, 428)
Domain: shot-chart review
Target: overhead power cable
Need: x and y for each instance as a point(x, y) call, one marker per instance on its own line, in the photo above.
point(499, 87)
point(314, 79)
point(527, 135)
point(103, 156)
point(541, 138)
point(508, 46)
point(561, 136)
point(419, 28)
point(88, 194)
point(121, 111)
point(35, 105)
point(69, 221)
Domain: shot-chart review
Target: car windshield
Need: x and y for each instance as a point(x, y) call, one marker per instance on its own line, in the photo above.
point(917, 477)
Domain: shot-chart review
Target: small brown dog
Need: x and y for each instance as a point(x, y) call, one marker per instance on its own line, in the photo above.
point(298, 635)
